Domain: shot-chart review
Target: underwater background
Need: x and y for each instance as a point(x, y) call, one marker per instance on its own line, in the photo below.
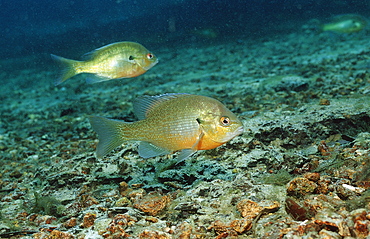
point(295, 72)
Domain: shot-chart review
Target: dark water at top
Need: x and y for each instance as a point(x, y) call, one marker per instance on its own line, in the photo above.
point(44, 26)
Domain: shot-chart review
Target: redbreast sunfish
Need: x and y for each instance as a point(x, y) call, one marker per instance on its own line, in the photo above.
point(168, 123)
point(113, 61)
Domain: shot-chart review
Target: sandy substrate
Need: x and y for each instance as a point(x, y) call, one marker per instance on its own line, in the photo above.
point(300, 170)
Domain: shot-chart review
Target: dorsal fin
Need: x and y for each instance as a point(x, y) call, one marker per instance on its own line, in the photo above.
point(90, 55)
point(145, 104)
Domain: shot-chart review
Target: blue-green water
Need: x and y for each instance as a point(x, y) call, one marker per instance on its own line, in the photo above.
point(31, 27)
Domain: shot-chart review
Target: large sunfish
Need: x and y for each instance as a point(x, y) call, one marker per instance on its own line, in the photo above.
point(168, 123)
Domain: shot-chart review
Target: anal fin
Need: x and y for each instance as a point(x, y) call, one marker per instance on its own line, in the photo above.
point(92, 79)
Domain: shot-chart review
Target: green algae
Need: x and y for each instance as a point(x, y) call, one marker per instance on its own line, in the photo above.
point(282, 177)
point(47, 205)
point(359, 202)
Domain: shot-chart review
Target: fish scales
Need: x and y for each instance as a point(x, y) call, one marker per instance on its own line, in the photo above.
point(113, 61)
point(170, 126)
point(170, 122)
point(173, 135)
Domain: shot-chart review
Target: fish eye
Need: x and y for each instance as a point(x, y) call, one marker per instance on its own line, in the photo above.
point(131, 58)
point(149, 56)
point(225, 121)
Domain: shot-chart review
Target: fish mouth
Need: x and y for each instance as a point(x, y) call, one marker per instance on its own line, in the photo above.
point(232, 135)
point(239, 130)
point(151, 65)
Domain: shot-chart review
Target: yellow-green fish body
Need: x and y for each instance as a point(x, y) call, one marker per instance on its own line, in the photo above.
point(348, 23)
point(169, 123)
point(113, 61)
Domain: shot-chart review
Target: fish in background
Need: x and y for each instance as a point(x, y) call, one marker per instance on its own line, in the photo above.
point(347, 23)
point(168, 123)
point(205, 33)
point(113, 61)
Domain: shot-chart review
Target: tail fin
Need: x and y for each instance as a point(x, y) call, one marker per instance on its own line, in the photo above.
point(69, 68)
point(111, 134)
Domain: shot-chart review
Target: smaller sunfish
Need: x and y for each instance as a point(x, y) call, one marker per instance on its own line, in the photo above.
point(168, 123)
point(113, 61)
point(347, 23)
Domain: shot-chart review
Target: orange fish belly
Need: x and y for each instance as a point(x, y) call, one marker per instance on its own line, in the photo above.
point(130, 72)
point(206, 143)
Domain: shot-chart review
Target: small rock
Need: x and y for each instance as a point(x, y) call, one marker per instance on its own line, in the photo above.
point(70, 223)
point(123, 202)
point(88, 220)
point(301, 187)
point(329, 234)
point(248, 208)
point(296, 211)
point(314, 177)
point(154, 235)
point(102, 224)
point(324, 102)
point(152, 204)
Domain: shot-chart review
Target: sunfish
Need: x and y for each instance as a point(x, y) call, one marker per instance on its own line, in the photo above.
point(113, 61)
point(168, 123)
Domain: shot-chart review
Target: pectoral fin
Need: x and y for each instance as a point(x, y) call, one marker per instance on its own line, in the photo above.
point(184, 154)
point(148, 150)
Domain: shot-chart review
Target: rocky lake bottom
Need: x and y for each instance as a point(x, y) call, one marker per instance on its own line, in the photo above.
point(300, 170)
